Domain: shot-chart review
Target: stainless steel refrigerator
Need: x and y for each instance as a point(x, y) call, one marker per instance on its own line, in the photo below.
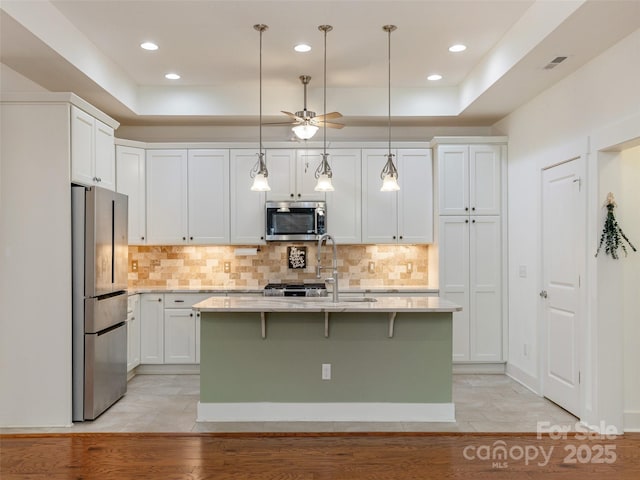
point(100, 256)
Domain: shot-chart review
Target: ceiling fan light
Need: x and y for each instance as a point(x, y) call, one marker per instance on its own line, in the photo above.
point(305, 131)
point(390, 183)
point(260, 183)
point(324, 184)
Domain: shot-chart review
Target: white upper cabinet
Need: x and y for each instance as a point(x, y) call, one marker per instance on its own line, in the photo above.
point(208, 193)
point(469, 179)
point(405, 216)
point(344, 204)
point(130, 180)
point(92, 151)
point(292, 174)
point(167, 197)
point(247, 210)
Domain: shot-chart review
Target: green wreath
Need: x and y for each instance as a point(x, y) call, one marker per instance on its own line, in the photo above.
point(612, 235)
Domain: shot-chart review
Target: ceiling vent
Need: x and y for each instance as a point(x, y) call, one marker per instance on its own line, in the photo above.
point(554, 63)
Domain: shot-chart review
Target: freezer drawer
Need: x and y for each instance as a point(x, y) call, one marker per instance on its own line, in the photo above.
point(105, 369)
point(104, 312)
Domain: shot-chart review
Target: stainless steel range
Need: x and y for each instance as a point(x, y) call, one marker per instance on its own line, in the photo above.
point(295, 290)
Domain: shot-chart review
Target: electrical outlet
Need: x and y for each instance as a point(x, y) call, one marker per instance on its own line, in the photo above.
point(227, 267)
point(409, 267)
point(134, 266)
point(326, 371)
point(372, 267)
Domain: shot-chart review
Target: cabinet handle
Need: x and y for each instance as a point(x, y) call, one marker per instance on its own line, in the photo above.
point(179, 301)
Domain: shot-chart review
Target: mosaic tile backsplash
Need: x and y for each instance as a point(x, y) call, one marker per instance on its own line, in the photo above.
point(203, 266)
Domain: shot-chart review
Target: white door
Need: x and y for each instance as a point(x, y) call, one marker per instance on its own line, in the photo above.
point(453, 177)
point(379, 209)
point(247, 212)
point(131, 180)
point(179, 336)
point(562, 262)
point(344, 204)
point(167, 197)
point(484, 179)
point(105, 156)
point(281, 165)
point(208, 173)
point(415, 199)
point(82, 147)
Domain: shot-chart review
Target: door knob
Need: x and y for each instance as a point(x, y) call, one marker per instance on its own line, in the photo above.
point(543, 294)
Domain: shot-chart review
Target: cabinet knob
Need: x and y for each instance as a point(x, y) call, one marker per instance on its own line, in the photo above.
point(299, 195)
point(292, 195)
point(473, 221)
point(400, 237)
point(394, 237)
point(99, 179)
point(141, 238)
point(159, 299)
point(466, 220)
point(190, 238)
point(198, 314)
point(466, 209)
point(191, 314)
point(261, 238)
point(473, 209)
point(184, 238)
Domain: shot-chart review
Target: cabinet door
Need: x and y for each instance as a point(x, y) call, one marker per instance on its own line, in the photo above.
point(133, 332)
point(454, 278)
point(344, 204)
point(197, 314)
point(166, 197)
point(105, 161)
point(130, 180)
point(247, 211)
point(415, 199)
point(208, 173)
point(453, 179)
point(379, 209)
point(282, 177)
point(484, 179)
point(82, 147)
point(151, 329)
point(485, 288)
point(307, 162)
point(179, 335)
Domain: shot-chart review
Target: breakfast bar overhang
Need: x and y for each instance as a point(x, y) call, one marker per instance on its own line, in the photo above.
point(312, 359)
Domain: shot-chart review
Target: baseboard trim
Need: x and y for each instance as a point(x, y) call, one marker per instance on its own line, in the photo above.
point(631, 421)
point(173, 369)
point(462, 368)
point(325, 412)
point(523, 378)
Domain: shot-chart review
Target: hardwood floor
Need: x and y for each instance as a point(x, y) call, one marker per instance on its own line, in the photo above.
point(313, 456)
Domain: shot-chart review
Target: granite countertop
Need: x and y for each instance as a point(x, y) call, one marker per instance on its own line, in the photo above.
point(325, 304)
point(260, 290)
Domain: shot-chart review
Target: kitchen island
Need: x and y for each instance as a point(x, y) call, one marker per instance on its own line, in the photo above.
point(310, 359)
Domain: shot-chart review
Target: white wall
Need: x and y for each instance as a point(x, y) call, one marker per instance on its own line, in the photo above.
point(35, 266)
point(552, 127)
point(12, 81)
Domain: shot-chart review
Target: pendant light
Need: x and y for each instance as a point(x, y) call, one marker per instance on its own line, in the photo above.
point(259, 172)
point(323, 172)
point(389, 174)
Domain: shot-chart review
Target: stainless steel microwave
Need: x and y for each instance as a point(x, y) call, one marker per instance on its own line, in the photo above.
point(295, 221)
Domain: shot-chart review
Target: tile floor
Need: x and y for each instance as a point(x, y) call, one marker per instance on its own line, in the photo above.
point(167, 403)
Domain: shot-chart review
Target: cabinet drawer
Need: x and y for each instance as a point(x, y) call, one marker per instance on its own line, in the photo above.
point(185, 300)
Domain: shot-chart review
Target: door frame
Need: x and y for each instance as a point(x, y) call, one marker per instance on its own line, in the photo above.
point(572, 153)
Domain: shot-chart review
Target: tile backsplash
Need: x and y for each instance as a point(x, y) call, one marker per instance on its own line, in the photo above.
point(204, 266)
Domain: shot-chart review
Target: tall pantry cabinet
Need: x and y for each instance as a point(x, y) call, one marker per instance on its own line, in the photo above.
point(471, 193)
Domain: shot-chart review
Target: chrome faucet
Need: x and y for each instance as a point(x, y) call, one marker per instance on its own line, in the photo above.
point(334, 264)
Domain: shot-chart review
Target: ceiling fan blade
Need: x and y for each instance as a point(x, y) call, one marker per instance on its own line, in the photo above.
point(292, 115)
point(281, 123)
point(328, 116)
point(329, 124)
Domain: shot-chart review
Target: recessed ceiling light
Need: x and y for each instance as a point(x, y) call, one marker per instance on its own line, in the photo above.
point(172, 76)
point(149, 46)
point(302, 47)
point(457, 48)
point(434, 77)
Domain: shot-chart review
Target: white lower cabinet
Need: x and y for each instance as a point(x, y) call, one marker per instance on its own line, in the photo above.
point(179, 335)
point(471, 276)
point(133, 332)
point(151, 328)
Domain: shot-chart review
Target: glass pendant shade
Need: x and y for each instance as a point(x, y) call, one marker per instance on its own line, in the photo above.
point(305, 131)
point(390, 183)
point(260, 183)
point(324, 184)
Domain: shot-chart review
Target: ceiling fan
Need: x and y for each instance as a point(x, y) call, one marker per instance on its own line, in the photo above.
point(307, 122)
